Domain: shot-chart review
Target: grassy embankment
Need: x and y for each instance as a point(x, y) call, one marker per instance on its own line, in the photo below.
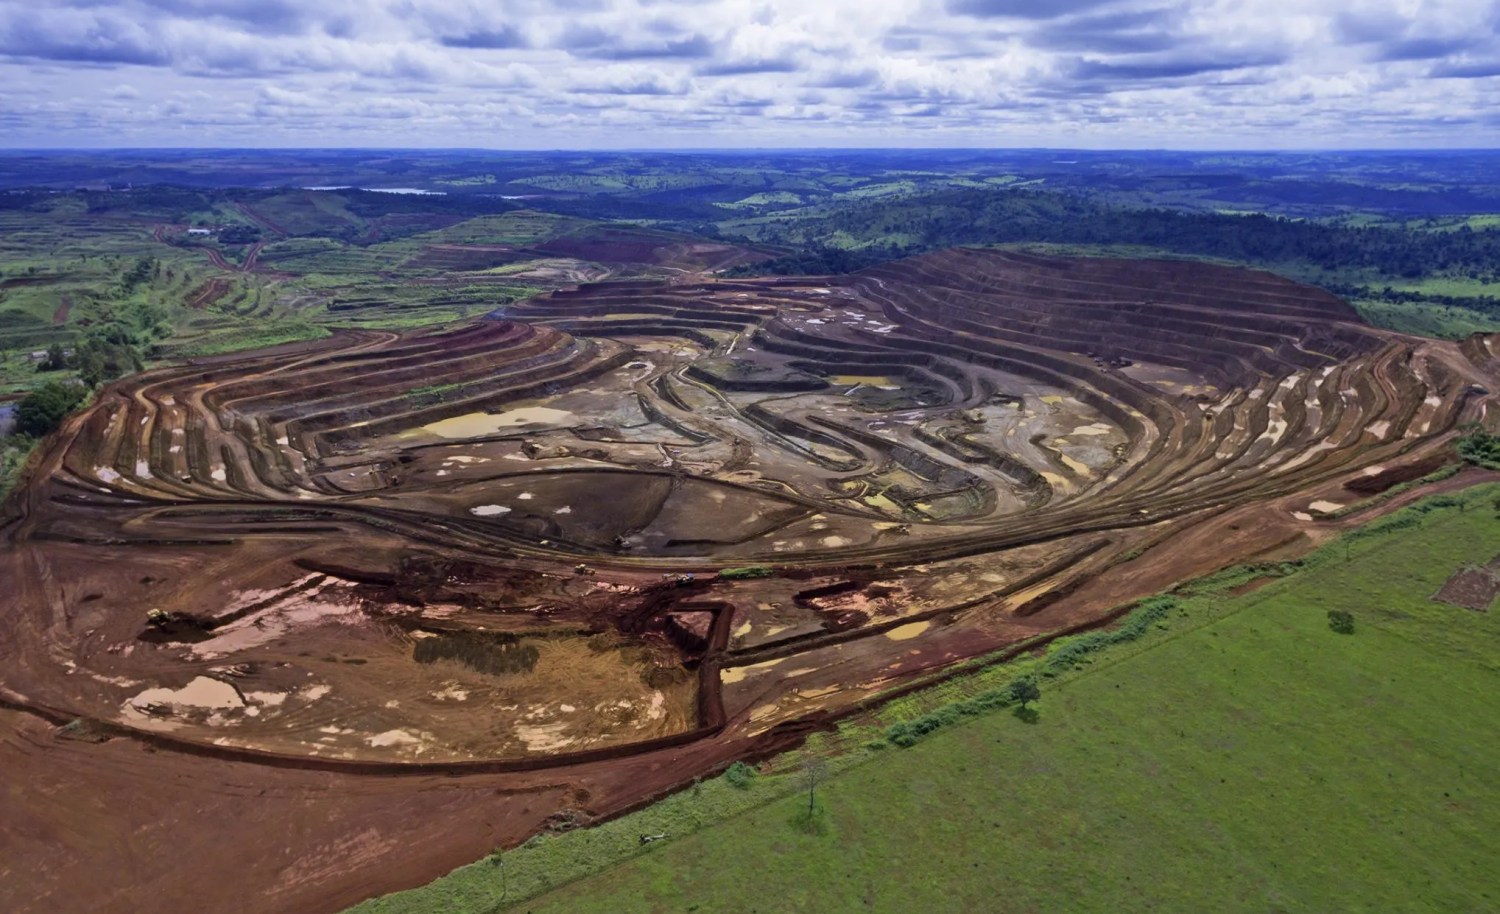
point(1447, 307)
point(1237, 756)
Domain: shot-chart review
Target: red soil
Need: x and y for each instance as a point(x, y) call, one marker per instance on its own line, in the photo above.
point(208, 293)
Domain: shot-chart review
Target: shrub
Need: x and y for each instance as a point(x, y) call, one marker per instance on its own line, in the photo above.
point(1074, 652)
point(1341, 621)
point(1480, 448)
point(907, 732)
point(44, 409)
point(739, 775)
point(1067, 655)
point(741, 574)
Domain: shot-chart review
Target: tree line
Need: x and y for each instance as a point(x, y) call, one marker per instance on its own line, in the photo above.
point(887, 229)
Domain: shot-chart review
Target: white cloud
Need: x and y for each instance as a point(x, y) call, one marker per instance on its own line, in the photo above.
point(754, 72)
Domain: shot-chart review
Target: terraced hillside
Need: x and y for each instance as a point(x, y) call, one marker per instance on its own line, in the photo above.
point(612, 537)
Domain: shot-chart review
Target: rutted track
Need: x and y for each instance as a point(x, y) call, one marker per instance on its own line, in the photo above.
point(939, 458)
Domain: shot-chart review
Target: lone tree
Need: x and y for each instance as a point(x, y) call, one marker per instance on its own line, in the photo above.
point(1341, 621)
point(1025, 691)
point(814, 772)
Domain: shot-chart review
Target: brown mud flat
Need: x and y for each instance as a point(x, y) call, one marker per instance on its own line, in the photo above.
point(208, 293)
point(1380, 480)
point(386, 601)
point(1472, 588)
point(625, 245)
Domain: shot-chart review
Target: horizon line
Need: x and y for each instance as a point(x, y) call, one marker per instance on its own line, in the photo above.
point(680, 150)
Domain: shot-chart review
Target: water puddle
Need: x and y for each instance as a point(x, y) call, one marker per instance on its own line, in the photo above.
point(738, 673)
point(908, 631)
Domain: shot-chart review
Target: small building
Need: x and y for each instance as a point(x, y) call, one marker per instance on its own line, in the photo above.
point(39, 355)
point(200, 231)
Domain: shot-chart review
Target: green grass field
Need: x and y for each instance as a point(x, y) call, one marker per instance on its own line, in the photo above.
point(1240, 757)
point(1455, 286)
point(1427, 319)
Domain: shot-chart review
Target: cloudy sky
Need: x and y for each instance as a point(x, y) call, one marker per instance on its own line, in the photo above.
point(736, 73)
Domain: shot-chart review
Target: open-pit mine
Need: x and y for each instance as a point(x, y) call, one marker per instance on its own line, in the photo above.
point(425, 590)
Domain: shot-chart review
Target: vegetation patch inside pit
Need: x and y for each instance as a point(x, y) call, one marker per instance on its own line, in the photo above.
point(494, 653)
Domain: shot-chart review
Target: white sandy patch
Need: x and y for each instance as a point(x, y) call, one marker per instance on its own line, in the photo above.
point(543, 737)
point(392, 738)
point(202, 692)
point(1077, 466)
point(451, 692)
point(489, 510)
point(296, 610)
point(1309, 454)
point(1274, 430)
